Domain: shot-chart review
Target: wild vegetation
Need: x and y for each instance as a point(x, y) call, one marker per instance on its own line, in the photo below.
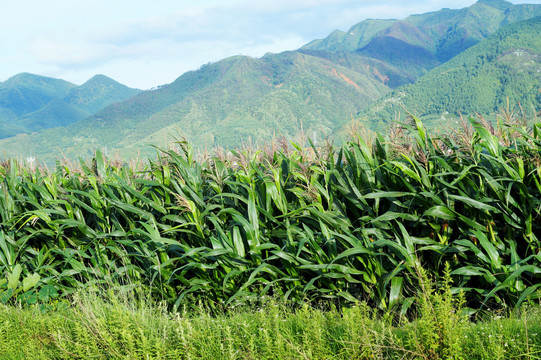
point(114, 326)
point(414, 243)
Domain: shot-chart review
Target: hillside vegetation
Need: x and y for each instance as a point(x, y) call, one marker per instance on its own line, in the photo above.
point(504, 69)
point(24, 94)
point(444, 33)
point(224, 104)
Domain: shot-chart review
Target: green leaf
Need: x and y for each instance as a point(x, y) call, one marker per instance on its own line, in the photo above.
point(30, 281)
point(489, 249)
point(527, 293)
point(474, 203)
point(28, 298)
point(387, 194)
point(6, 295)
point(13, 278)
point(238, 242)
point(409, 172)
point(470, 271)
point(396, 287)
point(47, 293)
point(442, 212)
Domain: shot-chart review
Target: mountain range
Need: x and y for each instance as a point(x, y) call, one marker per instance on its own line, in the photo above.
point(503, 70)
point(447, 61)
point(30, 102)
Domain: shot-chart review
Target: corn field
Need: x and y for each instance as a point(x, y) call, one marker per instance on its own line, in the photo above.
point(340, 224)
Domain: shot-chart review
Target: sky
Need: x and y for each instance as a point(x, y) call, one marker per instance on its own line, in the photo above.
point(143, 43)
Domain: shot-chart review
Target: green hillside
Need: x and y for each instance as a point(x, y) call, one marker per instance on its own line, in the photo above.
point(317, 89)
point(355, 38)
point(445, 33)
point(56, 113)
point(9, 125)
point(225, 103)
point(97, 93)
point(394, 74)
point(31, 103)
point(414, 60)
point(504, 67)
point(26, 93)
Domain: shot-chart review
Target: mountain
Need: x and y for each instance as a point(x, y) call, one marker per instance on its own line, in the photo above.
point(23, 94)
point(55, 113)
point(223, 103)
point(97, 93)
point(316, 89)
point(355, 38)
point(504, 67)
point(30, 102)
point(412, 59)
point(444, 33)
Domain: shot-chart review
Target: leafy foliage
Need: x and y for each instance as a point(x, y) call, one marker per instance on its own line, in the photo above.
point(336, 224)
point(114, 324)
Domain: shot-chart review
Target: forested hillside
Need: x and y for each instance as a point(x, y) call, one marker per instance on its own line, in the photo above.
point(24, 94)
point(504, 68)
point(225, 103)
point(444, 33)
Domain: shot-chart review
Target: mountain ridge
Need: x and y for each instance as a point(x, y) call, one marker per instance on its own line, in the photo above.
point(242, 98)
point(30, 102)
point(504, 68)
point(451, 31)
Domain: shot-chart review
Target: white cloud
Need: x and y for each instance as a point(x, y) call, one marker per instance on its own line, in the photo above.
point(144, 44)
point(188, 38)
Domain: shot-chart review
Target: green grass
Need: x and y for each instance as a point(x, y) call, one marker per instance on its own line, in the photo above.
point(114, 326)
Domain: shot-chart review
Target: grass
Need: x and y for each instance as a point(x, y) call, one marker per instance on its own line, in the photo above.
point(114, 326)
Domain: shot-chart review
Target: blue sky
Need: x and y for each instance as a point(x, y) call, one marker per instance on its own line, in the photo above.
point(145, 43)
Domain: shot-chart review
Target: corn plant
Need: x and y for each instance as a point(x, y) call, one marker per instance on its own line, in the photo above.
point(333, 224)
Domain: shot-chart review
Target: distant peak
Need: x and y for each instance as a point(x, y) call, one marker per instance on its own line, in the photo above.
point(25, 75)
point(26, 79)
point(498, 4)
point(100, 78)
